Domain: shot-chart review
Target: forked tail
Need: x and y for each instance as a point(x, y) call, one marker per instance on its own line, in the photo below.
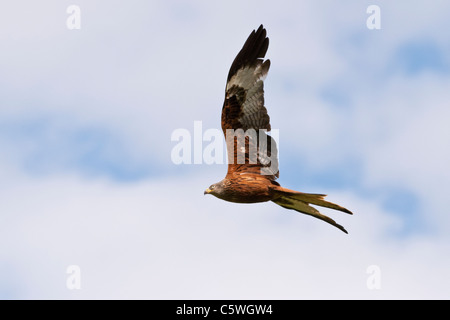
point(300, 202)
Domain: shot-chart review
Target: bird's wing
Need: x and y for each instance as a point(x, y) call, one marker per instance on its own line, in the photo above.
point(300, 202)
point(245, 121)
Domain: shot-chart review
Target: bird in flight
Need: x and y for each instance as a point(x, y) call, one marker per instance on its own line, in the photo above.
point(252, 153)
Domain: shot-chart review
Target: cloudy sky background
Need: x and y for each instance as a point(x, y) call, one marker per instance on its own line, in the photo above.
point(86, 176)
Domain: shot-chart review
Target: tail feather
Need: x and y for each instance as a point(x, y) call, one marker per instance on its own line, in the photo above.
point(317, 199)
point(300, 201)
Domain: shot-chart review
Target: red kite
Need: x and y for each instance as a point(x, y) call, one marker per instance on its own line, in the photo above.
point(252, 153)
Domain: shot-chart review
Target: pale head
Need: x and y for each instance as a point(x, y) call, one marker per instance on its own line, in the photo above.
point(216, 189)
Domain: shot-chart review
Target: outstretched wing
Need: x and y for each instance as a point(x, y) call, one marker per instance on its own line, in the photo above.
point(245, 121)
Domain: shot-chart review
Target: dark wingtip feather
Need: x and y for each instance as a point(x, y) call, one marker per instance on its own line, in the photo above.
point(254, 48)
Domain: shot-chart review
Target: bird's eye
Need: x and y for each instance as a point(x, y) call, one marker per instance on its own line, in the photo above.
point(212, 187)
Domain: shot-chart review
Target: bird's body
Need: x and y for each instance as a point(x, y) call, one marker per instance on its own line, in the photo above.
point(252, 152)
point(257, 188)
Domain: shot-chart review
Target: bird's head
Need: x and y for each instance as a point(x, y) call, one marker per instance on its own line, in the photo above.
point(215, 189)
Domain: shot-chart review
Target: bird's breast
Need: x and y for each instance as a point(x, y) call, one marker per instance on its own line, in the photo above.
point(246, 190)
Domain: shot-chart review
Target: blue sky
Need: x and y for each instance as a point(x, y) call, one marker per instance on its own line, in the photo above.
point(86, 118)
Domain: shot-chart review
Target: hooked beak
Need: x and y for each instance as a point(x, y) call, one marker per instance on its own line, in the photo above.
point(207, 191)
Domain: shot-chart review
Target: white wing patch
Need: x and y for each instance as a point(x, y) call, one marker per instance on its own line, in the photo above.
point(251, 79)
point(247, 77)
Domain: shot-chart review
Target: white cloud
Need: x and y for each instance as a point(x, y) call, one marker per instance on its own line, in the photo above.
point(141, 72)
point(135, 241)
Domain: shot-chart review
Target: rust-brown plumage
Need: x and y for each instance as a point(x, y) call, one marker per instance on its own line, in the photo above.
point(252, 153)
